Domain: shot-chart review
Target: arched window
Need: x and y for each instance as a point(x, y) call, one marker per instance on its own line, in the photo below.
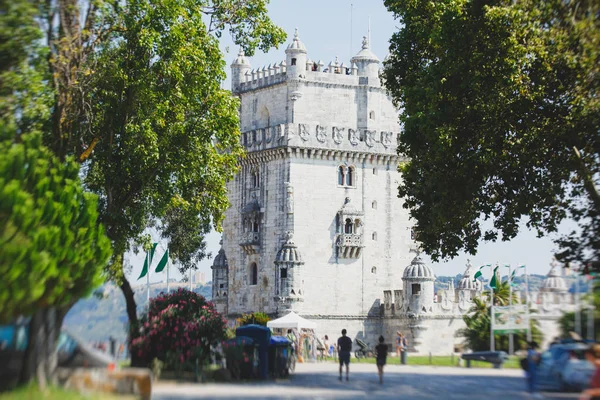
point(255, 179)
point(374, 270)
point(350, 177)
point(253, 274)
point(293, 61)
point(254, 225)
point(374, 205)
point(348, 226)
point(374, 236)
point(341, 175)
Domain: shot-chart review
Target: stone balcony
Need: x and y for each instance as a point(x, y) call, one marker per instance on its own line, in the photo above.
point(250, 242)
point(350, 245)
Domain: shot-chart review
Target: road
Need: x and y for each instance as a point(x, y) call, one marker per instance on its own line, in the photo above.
point(320, 381)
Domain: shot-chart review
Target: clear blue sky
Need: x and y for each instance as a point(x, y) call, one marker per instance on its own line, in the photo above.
point(324, 27)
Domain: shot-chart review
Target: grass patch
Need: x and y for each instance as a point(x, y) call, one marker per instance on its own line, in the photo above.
point(439, 361)
point(33, 392)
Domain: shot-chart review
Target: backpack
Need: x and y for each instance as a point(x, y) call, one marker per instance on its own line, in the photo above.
point(524, 364)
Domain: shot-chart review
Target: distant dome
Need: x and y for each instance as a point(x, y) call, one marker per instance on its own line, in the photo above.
point(289, 252)
point(220, 260)
point(554, 282)
point(241, 59)
point(418, 270)
point(365, 54)
point(296, 46)
point(467, 282)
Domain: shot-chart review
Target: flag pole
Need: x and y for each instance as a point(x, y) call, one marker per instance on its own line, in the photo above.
point(148, 277)
point(168, 263)
point(590, 316)
point(578, 306)
point(511, 337)
point(492, 339)
point(190, 279)
point(527, 305)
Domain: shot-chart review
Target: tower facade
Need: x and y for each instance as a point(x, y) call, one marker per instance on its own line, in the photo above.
point(315, 224)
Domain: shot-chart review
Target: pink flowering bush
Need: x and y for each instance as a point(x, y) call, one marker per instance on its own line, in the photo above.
point(178, 329)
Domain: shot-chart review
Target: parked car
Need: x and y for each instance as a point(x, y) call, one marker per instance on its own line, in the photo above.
point(564, 368)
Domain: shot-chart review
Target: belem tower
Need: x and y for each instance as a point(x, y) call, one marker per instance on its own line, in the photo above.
point(315, 224)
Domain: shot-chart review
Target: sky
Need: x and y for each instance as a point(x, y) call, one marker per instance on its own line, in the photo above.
point(327, 30)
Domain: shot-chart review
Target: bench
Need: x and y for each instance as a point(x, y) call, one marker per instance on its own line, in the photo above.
point(496, 358)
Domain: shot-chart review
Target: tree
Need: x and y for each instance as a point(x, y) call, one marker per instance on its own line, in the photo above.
point(567, 320)
point(501, 116)
point(259, 318)
point(477, 331)
point(178, 330)
point(52, 249)
point(138, 101)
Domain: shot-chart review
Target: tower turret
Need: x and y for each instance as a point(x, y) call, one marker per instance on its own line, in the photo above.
point(239, 68)
point(288, 284)
point(366, 61)
point(418, 287)
point(295, 57)
point(220, 277)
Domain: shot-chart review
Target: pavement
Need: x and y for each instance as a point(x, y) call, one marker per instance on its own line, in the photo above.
point(320, 381)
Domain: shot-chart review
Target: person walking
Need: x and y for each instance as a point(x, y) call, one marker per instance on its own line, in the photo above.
point(344, 346)
point(593, 356)
point(533, 359)
point(381, 351)
point(403, 349)
point(398, 343)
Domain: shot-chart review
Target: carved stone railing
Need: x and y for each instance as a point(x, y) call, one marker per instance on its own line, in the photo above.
point(250, 242)
point(350, 245)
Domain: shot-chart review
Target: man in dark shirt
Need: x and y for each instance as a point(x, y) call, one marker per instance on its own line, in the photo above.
point(344, 348)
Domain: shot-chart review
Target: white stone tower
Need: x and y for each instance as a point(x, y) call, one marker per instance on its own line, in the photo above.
point(321, 165)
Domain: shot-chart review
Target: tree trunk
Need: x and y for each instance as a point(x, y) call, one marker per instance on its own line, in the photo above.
point(133, 319)
point(40, 359)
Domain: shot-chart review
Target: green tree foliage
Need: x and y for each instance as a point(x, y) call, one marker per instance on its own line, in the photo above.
point(138, 100)
point(501, 115)
point(567, 321)
point(179, 329)
point(477, 332)
point(52, 250)
point(258, 318)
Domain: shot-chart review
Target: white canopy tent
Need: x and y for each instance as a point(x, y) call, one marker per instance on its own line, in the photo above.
point(291, 321)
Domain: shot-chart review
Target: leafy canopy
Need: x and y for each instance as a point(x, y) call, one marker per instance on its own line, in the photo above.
point(52, 249)
point(501, 116)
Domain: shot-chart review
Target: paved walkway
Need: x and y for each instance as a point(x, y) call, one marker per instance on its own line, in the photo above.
point(320, 381)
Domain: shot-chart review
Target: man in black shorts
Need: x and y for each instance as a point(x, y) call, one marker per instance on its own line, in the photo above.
point(344, 348)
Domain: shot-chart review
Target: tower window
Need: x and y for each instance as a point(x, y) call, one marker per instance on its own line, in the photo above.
point(372, 115)
point(374, 171)
point(341, 175)
point(255, 179)
point(374, 236)
point(374, 270)
point(284, 273)
point(374, 205)
point(253, 274)
point(416, 288)
point(348, 226)
point(293, 61)
point(350, 177)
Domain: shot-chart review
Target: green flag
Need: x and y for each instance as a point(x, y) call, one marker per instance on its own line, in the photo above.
point(493, 281)
point(479, 273)
point(163, 261)
point(145, 267)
